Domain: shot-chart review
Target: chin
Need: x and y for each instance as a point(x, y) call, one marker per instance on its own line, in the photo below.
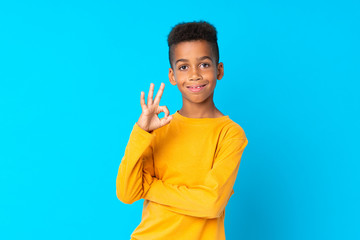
point(197, 101)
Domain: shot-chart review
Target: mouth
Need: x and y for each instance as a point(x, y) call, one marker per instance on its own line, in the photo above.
point(196, 88)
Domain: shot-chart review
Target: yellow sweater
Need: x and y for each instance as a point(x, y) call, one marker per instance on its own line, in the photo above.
point(185, 171)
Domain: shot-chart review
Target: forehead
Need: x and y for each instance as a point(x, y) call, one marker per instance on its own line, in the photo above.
point(192, 50)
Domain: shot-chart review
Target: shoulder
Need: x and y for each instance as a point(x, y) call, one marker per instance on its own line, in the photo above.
point(232, 130)
point(232, 138)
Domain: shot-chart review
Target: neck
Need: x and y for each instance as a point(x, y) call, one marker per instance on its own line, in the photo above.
point(205, 109)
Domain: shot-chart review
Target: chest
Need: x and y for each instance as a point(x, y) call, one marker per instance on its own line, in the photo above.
point(185, 157)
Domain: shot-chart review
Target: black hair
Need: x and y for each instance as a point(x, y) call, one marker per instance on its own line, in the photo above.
point(191, 31)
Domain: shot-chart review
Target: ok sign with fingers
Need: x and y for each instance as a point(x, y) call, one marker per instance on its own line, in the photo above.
point(149, 119)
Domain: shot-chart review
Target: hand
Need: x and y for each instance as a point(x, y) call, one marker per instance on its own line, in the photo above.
point(149, 119)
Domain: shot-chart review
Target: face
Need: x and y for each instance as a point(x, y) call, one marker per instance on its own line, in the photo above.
point(194, 71)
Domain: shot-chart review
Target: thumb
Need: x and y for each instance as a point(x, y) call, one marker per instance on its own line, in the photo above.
point(166, 120)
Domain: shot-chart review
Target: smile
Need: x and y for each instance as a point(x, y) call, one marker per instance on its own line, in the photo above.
point(196, 88)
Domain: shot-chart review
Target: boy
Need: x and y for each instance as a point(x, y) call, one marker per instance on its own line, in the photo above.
point(184, 165)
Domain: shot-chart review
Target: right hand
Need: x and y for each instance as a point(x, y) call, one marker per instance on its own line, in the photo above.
point(149, 119)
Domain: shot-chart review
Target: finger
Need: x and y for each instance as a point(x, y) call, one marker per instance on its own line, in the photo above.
point(150, 96)
point(159, 94)
point(165, 120)
point(163, 109)
point(142, 101)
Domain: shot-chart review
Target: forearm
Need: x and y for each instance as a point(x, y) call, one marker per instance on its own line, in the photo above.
point(198, 201)
point(208, 199)
point(135, 171)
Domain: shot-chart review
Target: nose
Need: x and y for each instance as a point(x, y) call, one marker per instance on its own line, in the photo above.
point(194, 75)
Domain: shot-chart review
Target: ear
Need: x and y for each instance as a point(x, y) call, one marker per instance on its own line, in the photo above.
point(172, 76)
point(220, 71)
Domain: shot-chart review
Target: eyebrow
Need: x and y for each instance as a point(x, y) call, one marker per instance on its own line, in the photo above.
point(186, 60)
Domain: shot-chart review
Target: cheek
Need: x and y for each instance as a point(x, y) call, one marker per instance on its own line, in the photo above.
point(180, 76)
point(209, 71)
point(210, 75)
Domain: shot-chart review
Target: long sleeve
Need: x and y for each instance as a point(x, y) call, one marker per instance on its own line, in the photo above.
point(209, 199)
point(136, 168)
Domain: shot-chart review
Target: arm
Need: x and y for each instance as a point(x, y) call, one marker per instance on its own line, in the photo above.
point(136, 168)
point(209, 199)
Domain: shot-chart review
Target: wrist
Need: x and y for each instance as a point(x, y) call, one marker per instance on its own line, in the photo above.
point(139, 125)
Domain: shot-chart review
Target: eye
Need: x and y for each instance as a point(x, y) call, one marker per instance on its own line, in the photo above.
point(183, 67)
point(205, 65)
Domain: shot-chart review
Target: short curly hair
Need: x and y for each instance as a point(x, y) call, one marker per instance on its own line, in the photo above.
point(191, 31)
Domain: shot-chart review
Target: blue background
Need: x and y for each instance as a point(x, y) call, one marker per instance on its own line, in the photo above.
point(71, 73)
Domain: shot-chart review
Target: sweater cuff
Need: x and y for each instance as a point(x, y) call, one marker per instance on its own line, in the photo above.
point(140, 136)
point(138, 128)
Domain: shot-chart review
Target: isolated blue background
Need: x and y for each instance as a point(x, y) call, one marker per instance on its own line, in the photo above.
point(71, 73)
